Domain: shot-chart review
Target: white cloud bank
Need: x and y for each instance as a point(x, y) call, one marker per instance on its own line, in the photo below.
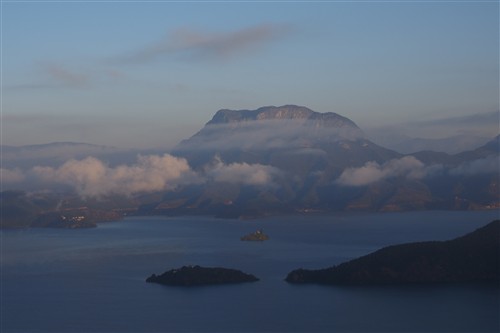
point(267, 134)
point(411, 168)
point(490, 164)
point(371, 172)
point(243, 173)
point(10, 176)
point(91, 177)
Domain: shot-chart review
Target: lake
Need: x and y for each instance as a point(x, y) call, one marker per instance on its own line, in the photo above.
point(93, 280)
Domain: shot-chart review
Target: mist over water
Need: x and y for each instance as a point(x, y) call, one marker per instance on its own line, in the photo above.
point(93, 280)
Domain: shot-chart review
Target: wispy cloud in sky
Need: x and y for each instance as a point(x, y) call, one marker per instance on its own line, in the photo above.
point(53, 75)
point(64, 76)
point(189, 44)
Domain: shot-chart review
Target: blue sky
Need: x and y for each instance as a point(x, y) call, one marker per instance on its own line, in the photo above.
point(136, 74)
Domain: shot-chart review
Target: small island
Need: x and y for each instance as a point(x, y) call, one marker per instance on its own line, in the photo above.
point(197, 276)
point(473, 258)
point(255, 236)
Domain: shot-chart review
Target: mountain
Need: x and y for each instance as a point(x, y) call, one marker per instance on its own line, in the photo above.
point(491, 147)
point(20, 209)
point(250, 163)
point(286, 112)
point(49, 154)
point(407, 145)
point(323, 161)
point(455, 134)
point(474, 257)
point(306, 150)
point(467, 180)
point(56, 153)
point(292, 138)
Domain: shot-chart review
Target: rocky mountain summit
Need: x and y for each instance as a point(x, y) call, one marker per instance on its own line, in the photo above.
point(270, 127)
point(286, 137)
point(286, 112)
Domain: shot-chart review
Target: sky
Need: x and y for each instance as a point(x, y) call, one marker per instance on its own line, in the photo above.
point(149, 74)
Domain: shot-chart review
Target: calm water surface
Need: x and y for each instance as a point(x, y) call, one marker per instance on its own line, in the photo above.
point(92, 280)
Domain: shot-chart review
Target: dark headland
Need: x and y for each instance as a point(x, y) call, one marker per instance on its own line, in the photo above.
point(197, 276)
point(473, 258)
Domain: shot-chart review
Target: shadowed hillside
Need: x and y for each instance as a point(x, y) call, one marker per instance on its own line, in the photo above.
point(470, 258)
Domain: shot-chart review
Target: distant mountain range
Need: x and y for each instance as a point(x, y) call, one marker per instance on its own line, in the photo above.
point(322, 162)
point(272, 160)
point(450, 135)
point(56, 153)
point(451, 145)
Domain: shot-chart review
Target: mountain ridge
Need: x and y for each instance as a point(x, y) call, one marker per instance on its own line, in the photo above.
point(289, 112)
point(244, 165)
point(315, 157)
point(251, 136)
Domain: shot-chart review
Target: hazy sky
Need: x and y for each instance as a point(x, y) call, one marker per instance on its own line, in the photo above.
point(148, 74)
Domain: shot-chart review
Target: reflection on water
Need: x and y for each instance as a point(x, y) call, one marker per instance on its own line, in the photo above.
point(92, 280)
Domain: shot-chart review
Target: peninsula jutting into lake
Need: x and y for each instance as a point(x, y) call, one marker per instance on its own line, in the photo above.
point(473, 258)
